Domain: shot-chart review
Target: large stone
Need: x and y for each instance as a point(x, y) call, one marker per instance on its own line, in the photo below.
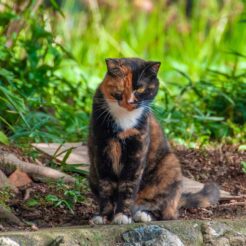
point(5, 241)
point(151, 235)
point(220, 234)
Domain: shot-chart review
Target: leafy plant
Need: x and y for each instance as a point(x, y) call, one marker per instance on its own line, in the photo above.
point(3, 138)
point(59, 202)
point(67, 196)
point(51, 66)
point(243, 163)
point(65, 167)
point(32, 202)
point(30, 78)
point(5, 195)
point(203, 60)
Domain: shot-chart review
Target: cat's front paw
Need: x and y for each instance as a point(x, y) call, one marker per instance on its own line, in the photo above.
point(142, 216)
point(98, 220)
point(122, 219)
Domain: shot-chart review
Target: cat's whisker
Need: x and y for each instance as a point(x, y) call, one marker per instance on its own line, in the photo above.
point(100, 111)
point(97, 99)
point(158, 111)
point(107, 117)
point(104, 111)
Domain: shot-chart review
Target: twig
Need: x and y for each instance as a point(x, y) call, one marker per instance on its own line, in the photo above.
point(230, 204)
point(7, 160)
point(233, 198)
point(27, 194)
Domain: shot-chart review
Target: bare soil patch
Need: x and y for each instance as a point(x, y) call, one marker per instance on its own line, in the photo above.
point(222, 165)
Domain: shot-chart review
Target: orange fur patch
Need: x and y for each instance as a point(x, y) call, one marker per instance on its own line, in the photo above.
point(168, 172)
point(128, 133)
point(152, 86)
point(127, 94)
point(170, 211)
point(121, 85)
point(114, 152)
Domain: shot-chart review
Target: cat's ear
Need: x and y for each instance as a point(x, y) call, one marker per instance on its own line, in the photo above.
point(113, 66)
point(153, 66)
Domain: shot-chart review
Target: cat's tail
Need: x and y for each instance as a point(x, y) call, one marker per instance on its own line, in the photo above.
point(207, 196)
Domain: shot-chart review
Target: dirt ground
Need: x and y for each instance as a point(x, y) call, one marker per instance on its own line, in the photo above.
point(221, 164)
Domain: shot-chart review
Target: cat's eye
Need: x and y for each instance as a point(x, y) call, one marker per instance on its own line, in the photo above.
point(151, 86)
point(140, 90)
point(117, 96)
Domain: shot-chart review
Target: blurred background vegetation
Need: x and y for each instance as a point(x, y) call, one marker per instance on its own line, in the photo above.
point(52, 59)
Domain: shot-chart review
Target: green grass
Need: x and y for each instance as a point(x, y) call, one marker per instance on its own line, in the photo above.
point(60, 194)
point(61, 62)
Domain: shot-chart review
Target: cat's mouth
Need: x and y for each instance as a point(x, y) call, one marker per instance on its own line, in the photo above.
point(128, 106)
point(128, 102)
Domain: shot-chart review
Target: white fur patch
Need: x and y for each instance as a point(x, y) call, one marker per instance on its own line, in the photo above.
point(141, 216)
point(124, 118)
point(122, 219)
point(98, 220)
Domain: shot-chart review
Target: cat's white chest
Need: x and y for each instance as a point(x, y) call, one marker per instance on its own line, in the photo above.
point(124, 118)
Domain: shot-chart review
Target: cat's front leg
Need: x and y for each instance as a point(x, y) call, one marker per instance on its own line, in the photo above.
point(105, 200)
point(126, 196)
point(106, 204)
point(129, 181)
point(105, 185)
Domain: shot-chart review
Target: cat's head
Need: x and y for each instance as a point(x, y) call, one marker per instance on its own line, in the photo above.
point(131, 82)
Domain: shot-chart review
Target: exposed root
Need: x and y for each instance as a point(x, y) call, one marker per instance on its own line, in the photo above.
point(9, 217)
point(8, 160)
point(27, 194)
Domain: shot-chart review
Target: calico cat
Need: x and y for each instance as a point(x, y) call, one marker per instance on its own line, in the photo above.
point(133, 171)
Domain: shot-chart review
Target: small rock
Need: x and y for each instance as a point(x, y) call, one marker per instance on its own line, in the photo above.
point(57, 241)
point(6, 241)
point(222, 242)
point(19, 178)
point(237, 240)
point(151, 235)
point(212, 229)
point(219, 234)
point(142, 234)
point(34, 227)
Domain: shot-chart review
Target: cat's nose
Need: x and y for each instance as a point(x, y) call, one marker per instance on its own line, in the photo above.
point(134, 102)
point(131, 100)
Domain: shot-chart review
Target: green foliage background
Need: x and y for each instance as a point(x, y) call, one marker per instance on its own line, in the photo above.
point(50, 67)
